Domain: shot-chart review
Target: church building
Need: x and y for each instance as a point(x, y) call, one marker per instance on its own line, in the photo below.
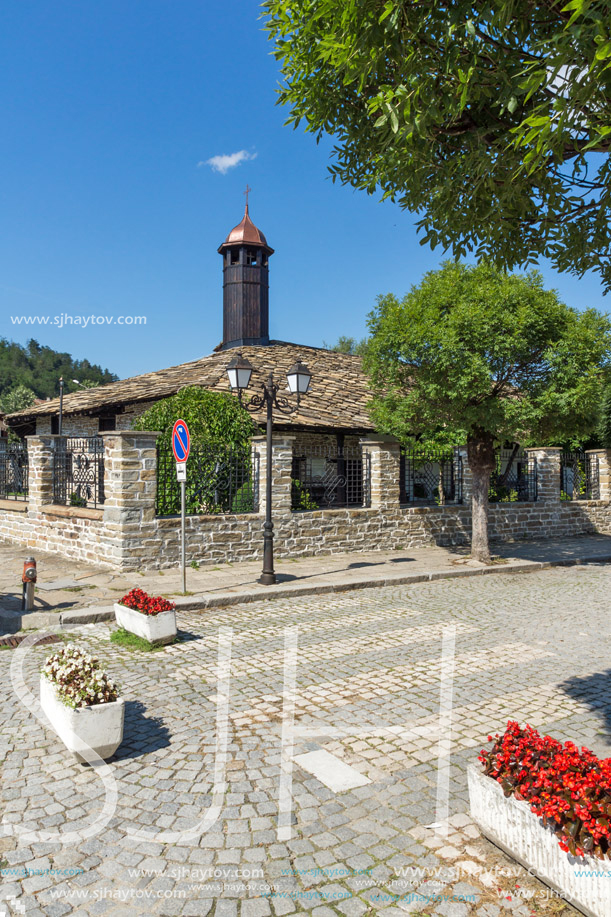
point(334, 411)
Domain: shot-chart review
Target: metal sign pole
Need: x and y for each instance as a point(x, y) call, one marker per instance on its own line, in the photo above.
point(182, 535)
point(181, 444)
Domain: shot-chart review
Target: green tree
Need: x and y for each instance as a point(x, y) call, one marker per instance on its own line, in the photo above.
point(220, 430)
point(39, 369)
point(491, 120)
point(484, 357)
point(212, 417)
point(348, 345)
point(17, 399)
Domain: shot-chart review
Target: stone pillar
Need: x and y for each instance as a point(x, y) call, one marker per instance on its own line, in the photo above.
point(40, 471)
point(282, 462)
point(548, 473)
point(385, 453)
point(604, 472)
point(130, 484)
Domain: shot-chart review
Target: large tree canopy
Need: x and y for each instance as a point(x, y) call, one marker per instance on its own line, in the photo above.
point(480, 356)
point(492, 120)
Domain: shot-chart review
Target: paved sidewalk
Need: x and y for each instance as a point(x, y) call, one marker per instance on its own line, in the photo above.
point(366, 694)
point(66, 587)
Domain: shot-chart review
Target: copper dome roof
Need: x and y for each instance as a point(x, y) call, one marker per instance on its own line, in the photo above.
point(246, 233)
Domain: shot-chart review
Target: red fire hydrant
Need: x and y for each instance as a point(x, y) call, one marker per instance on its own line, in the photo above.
point(28, 579)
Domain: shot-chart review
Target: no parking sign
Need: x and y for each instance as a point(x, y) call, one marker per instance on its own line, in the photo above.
point(181, 441)
point(181, 444)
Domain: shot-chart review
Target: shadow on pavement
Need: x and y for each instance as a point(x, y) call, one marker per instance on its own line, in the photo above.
point(595, 691)
point(557, 550)
point(143, 734)
point(185, 636)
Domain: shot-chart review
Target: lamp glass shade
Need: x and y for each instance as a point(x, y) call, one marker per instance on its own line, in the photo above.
point(299, 377)
point(239, 372)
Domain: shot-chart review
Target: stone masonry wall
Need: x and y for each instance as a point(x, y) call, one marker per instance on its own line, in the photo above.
point(126, 534)
point(85, 425)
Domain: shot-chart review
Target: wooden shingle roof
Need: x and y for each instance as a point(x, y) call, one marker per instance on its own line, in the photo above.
point(337, 399)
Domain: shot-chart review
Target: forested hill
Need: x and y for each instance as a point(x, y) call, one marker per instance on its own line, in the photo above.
point(39, 368)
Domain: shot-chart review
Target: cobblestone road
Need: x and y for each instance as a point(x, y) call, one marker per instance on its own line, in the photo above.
point(535, 648)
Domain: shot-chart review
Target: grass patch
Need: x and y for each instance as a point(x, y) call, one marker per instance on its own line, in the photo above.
point(78, 588)
point(123, 638)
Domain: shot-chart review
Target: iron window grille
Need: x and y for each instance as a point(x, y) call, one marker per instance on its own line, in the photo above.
point(78, 471)
point(328, 476)
point(579, 476)
point(515, 477)
point(430, 477)
point(219, 480)
point(14, 471)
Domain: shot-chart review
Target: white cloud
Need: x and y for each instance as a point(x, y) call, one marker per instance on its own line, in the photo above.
point(226, 161)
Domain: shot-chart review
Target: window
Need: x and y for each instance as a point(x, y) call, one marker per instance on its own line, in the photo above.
point(107, 423)
point(235, 255)
point(55, 425)
point(251, 256)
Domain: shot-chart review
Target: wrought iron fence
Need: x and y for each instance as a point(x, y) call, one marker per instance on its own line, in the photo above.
point(430, 477)
point(328, 476)
point(515, 477)
point(78, 471)
point(219, 480)
point(579, 476)
point(14, 470)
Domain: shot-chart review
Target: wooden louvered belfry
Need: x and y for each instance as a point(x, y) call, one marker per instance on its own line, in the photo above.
point(245, 285)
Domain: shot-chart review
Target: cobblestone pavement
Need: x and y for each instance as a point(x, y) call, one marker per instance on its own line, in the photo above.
point(532, 648)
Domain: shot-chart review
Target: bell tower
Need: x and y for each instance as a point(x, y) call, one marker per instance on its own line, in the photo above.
point(245, 255)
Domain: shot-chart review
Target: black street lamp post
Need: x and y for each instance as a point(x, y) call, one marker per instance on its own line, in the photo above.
point(60, 424)
point(298, 377)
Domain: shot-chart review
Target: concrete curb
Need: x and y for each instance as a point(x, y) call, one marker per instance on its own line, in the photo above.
point(12, 621)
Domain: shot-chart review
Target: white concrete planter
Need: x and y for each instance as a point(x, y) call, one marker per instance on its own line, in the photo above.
point(99, 727)
point(511, 825)
point(156, 629)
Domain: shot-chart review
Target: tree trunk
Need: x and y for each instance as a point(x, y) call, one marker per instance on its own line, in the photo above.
point(482, 461)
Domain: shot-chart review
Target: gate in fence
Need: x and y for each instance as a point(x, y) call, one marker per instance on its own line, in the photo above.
point(14, 470)
point(78, 471)
point(329, 476)
point(219, 480)
point(579, 476)
point(515, 477)
point(430, 477)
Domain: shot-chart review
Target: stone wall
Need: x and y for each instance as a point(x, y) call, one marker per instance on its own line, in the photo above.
point(86, 425)
point(126, 534)
point(78, 425)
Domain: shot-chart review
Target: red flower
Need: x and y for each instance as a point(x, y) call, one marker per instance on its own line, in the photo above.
point(569, 788)
point(139, 600)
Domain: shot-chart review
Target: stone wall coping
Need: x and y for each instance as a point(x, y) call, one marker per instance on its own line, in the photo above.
point(327, 511)
point(42, 437)
point(597, 451)
point(379, 441)
point(78, 512)
point(16, 506)
point(276, 438)
point(127, 433)
point(214, 517)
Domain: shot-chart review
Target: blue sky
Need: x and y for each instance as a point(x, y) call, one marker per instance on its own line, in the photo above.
point(107, 110)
